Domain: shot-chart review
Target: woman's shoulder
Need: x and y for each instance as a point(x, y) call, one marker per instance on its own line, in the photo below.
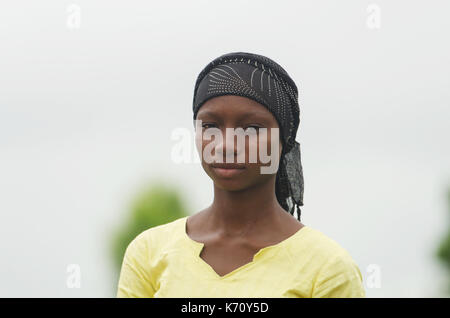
point(320, 248)
point(166, 228)
point(159, 235)
point(334, 271)
point(322, 241)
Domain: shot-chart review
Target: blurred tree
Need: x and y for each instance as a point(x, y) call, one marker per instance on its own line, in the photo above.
point(443, 252)
point(155, 205)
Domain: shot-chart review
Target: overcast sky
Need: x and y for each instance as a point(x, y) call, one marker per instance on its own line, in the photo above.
point(90, 92)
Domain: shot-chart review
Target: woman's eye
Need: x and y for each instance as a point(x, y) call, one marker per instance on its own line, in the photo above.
point(207, 126)
point(255, 128)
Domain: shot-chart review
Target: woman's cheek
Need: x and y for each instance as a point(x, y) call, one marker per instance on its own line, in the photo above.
point(199, 142)
point(252, 150)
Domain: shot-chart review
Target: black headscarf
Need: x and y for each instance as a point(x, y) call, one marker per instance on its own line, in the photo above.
point(263, 80)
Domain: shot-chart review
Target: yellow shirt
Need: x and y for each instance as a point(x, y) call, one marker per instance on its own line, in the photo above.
point(163, 261)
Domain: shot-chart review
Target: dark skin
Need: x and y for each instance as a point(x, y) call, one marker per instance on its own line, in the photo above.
point(245, 215)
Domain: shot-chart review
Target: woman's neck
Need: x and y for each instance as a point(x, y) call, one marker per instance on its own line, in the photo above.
point(241, 212)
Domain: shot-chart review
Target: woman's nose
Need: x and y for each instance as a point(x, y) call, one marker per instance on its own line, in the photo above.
point(226, 144)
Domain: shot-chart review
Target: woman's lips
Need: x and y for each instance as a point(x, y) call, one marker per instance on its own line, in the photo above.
point(227, 171)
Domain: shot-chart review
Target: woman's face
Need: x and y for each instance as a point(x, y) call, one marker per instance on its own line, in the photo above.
point(237, 172)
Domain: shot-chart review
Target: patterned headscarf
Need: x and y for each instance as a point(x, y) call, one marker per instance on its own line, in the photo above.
point(266, 82)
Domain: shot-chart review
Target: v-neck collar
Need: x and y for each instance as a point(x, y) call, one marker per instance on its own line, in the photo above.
point(267, 251)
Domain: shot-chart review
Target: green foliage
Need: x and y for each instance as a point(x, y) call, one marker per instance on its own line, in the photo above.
point(443, 252)
point(155, 205)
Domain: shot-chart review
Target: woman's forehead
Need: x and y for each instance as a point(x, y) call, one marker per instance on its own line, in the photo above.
point(234, 106)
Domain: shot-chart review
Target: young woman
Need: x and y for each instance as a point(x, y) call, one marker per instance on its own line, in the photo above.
point(247, 243)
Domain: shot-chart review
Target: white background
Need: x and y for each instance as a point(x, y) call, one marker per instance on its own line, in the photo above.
point(86, 116)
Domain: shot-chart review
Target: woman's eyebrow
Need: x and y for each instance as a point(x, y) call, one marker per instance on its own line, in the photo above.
point(208, 113)
point(254, 116)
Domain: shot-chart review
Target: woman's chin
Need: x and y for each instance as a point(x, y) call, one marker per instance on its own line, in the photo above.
point(230, 185)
